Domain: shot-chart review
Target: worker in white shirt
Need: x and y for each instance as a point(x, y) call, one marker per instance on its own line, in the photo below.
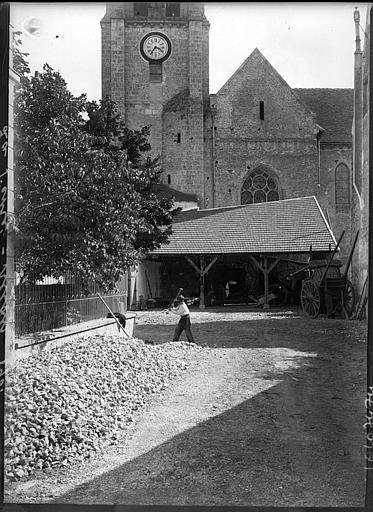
point(181, 309)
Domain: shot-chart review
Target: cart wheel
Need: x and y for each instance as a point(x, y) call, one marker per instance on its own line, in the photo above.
point(348, 299)
point(310, 298)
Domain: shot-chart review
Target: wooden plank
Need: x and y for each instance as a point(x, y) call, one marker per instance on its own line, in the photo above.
point(265, 271)
point(210, 264)
point(192, 263)
point(202, 271)
point(331, 258)
point(360, 308)
point(350, 256)
point(272, 266)
point(256, 262)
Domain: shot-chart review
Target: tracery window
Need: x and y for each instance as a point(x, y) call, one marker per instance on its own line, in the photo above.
point(342, 184)
point(259, 187)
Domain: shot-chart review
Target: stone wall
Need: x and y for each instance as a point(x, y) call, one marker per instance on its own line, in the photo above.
point(284, 139)
point(331, 155)
point(293, 162)
point(183, 148)
point(211, 156)
point(105, 57)
point(126, 80)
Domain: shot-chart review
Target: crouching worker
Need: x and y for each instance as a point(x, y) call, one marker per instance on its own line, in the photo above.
point(181, 309)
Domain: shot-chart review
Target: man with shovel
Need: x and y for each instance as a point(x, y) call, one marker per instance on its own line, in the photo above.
point(180, 308)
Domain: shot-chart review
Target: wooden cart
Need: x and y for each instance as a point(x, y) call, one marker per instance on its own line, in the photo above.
point(326, 289)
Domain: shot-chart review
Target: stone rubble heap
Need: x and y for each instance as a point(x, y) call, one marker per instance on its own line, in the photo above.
point(66, 403)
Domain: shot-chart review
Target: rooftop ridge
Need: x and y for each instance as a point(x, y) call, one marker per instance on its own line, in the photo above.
point(234, 206)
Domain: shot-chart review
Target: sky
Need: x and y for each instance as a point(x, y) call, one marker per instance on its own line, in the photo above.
point(309, 44)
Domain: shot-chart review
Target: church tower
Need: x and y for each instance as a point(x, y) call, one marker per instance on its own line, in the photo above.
point(155, 67)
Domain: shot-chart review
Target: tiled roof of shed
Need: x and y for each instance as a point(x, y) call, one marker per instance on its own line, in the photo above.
point(334, 109)
point(286, 226)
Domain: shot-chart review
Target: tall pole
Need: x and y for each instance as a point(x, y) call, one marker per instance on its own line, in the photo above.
point(4, 112)
point(358, 106)
point(201, 283)
point(266, 287)
point(213, 113)
point(369, 401)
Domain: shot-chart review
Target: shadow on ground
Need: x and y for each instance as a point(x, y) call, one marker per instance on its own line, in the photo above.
point(258, 329)
point(297, 442)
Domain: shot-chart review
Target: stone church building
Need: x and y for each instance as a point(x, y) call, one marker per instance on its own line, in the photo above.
point(255, 140)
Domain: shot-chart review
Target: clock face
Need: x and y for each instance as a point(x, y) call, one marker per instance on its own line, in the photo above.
point(155, 46)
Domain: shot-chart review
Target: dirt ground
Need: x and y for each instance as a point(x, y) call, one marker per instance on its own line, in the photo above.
point(270, 413)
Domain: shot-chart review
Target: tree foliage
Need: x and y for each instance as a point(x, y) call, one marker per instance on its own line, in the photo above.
point(20, 63)
point(84, 200)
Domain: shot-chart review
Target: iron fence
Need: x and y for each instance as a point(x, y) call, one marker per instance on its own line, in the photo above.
point(52, 304)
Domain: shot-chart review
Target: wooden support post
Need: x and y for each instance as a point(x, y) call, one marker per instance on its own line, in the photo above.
point(201, 283)
point(214, 260)
point(202, 271)
point(265, 273)
point(256, 262)
point(192, 263)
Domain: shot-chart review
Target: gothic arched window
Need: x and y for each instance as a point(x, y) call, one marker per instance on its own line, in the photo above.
point(342, 184)
point(259, 187)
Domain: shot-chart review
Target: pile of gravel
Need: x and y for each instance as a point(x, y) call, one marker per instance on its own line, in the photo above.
point(68, 402)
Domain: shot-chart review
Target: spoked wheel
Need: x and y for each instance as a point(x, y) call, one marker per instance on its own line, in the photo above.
point(310, 298)
point(348, 299)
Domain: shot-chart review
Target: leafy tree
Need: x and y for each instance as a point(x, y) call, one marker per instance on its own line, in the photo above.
point(20, 63)
point(84, 200)
point(113, 136)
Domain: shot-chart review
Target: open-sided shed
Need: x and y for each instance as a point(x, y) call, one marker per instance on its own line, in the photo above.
point(266, 232)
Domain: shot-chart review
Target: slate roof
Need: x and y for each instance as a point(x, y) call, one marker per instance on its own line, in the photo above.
point(162, 190)
point(286, 226)
point(334, 109)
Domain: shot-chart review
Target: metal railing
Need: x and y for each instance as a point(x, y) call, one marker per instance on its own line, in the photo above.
point(52, 304)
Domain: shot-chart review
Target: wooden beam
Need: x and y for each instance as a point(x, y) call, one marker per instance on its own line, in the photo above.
point(201, 282)
point(272, 266)
point(331, 259)
point(210, 264)
point(259, 266)
point(256, 262)
point(350, 256)
point(202, 271)
point(198, 269)
point(192, 263)
point(289, 260)
point(266, 272)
